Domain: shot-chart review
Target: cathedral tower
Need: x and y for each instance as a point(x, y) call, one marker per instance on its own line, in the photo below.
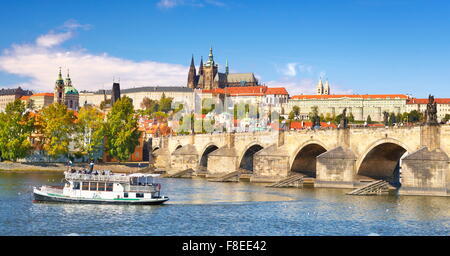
point(326, 90)
point(319, 88)
point(210, 71)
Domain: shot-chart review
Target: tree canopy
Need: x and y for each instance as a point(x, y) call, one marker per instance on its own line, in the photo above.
point(57, 128)
point(121, 130)
point(16, 126)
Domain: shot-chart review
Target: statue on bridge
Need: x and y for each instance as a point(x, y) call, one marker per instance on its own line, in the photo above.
point(343, 124)
point(431, 111)
point(386, 118)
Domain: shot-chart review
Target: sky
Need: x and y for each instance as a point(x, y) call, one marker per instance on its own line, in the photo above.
point(360, 46)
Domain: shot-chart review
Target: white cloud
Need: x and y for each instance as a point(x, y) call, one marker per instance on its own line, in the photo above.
point(51, 39)
point(167, 4)
point(39, 63)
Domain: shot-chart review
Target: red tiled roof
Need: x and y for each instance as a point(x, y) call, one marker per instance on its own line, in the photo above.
point(425, 101)
point(298, 125)
point(43, 94)
point(277, 90)
point(246, 91)
point(24, 97)
point(358, 96)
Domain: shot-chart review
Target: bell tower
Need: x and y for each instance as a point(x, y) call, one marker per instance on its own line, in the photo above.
point(59, 89)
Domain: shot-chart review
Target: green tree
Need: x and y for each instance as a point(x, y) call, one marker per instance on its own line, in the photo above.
point(16, 126)
point(105, 104)
point(291, 115)
point(165, 104)
point(121, 129)
point(392, 119)
point(446, 118)
point(57, 127)
point(296, 110)
point(149, 105)
point(351, 118)
point(90, 132)
point(415, 116)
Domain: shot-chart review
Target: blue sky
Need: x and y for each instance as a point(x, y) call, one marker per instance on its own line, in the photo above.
point(361, 46)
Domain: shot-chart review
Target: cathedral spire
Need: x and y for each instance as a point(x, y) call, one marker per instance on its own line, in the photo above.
point(192, 74)
point(200, 69)
point(192, 61)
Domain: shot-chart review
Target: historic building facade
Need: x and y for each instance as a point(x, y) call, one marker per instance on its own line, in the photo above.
point(443, 106)
point(361, 106)
point(209, 77)
point(10, 95)
point(65, 93)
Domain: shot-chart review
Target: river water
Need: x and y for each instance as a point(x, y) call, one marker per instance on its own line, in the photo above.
point(199, 207)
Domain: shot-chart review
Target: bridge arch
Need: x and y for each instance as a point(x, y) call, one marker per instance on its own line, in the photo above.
point(246, 160)
point(382, 161)
point(203, 162)
point(304, 159)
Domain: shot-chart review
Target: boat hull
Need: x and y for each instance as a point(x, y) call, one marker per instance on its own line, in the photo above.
point(44, 197)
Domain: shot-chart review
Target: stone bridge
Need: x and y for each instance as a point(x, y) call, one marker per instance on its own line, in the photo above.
point(412, 158)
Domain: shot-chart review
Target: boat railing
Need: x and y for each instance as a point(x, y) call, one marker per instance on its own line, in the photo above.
point(144, 189)
point(98, 177)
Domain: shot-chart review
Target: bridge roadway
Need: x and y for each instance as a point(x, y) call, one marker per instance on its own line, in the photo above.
point(413, 158)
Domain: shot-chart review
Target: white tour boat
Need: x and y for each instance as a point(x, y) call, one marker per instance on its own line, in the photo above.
point(103, 188)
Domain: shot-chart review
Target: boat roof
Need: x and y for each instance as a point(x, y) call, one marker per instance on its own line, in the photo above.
point(144, 175)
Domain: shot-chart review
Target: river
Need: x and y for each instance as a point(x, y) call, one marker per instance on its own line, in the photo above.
point(199, 207)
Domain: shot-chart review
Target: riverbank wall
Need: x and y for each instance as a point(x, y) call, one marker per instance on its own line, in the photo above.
point(60, 167)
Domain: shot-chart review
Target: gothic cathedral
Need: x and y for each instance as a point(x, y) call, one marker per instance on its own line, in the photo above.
point(209, 77)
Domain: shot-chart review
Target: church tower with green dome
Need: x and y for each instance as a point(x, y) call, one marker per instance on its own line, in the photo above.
point(65, 93)
point(71, 96)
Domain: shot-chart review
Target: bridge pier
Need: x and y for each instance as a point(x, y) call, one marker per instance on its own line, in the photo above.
point(336, 169)
point(425, 172)
point(222, 161)
point(183, 158)
point(270, 164)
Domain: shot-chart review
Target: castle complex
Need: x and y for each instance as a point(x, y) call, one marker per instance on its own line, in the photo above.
point(209, 77)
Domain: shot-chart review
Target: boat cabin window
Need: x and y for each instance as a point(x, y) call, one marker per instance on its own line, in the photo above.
point(109, 186)
point(139, 195)
point(101, 186)
point(76, 185)
point(93, 186)
point(141, 181)
point(125, 194)
point(85, 186)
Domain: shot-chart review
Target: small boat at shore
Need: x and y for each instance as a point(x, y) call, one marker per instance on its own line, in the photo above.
point(103, 188)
